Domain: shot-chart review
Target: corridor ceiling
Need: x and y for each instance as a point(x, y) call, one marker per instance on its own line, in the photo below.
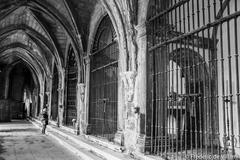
point(39, 31)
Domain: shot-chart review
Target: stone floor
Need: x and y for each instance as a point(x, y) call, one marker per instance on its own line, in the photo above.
point(20, 140)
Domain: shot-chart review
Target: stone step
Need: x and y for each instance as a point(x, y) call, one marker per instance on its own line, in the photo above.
point(73, 147)
point(82, 146)
point(82, 152)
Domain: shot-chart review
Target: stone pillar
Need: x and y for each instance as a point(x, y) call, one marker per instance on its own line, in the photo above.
point(129, 112)
point(48, 105)
point(60, 109)
point(86, 127)
point(81, 108)
point(61, 97)
point(135, 91)
point(49, 95)
point(140, 100)
point(41, 95)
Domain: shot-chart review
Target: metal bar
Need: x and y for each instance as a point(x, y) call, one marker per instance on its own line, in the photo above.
point(157, 88)
point(173, 7)
point(152, 89)
point(170, 81)
point(222, 81)
point(104, 48)
point(212, 24)
point(230, 79)
point(105, 66)
point(237, 67)
point(215, 94)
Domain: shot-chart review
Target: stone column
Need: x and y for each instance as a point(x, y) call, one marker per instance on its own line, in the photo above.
point(61, 97)
point(81, 108)
point(86, 127)
point(135, 91)
point(49, 95)
point(140, 100)
point(130, 124)
point(41, 95)
point(60, 109)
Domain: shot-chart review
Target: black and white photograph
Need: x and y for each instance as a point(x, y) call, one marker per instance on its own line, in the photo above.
point(119, 80)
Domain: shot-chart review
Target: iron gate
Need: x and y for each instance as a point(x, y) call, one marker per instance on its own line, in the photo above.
point(193, 79)
point(104, 89)
point(72, 72)
point(54, 106)
point(104, 82)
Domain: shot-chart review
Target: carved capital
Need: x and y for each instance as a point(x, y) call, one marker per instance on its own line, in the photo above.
point(47, 93)
point(87, 60)
point(128, 79)
point(41, 95)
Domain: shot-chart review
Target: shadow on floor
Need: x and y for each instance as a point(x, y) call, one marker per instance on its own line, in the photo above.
point(16, 121)
point(2, 150)
point(18, 130)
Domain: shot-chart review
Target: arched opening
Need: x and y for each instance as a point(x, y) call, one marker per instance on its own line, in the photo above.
point(54, 106)
point(104, 82)
point(182, 112)
point(21, 88)
point(71, 89)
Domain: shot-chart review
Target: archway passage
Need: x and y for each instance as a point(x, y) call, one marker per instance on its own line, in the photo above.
point(20, 92)
point(71, 90)
point(104, 82)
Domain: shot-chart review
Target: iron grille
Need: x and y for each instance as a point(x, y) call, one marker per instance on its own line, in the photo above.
point(103, 93)
point(193, 75)
point(72, 72)
point(54, 106)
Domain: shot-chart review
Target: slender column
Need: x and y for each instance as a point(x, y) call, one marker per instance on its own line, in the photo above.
point(61, 98)
point(86, 127)
point(41, 95)
point(49, 94)
point(130, 126)
point(80, 128)
point(141, 88)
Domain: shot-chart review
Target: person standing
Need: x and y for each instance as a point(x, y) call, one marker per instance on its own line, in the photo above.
point(44, 120)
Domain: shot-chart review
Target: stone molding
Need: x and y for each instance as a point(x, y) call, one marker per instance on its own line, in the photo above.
point(87, 60)
point(128, 79)
point(81, 87)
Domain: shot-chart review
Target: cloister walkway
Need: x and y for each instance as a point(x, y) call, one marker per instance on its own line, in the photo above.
point(20, 140)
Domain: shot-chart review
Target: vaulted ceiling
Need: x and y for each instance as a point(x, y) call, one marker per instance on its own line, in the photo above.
point(38, 31)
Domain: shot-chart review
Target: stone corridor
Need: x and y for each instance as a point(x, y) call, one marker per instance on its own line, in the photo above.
point(20, 140)
point(120, 79)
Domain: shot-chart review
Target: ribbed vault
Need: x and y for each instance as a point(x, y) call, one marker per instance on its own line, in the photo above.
point(43, 29)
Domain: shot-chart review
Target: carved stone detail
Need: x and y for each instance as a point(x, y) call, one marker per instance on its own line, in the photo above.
point(81, 87)
point(87, 60)
point(119, 138)
point(60, 90)
point(130, 12)
point(129, 79)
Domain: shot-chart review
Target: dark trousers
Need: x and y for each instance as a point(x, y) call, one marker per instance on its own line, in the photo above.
point(44, 126)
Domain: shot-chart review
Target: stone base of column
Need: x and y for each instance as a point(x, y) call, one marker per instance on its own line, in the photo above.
point(77, 129)
point(141, 143)
point(83, 127)
point(88, 129)
point(119, 138)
